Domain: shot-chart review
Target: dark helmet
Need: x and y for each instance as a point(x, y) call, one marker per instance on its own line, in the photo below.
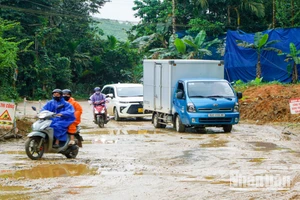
point(57, 91)
point(97, 89)
point(67, 91)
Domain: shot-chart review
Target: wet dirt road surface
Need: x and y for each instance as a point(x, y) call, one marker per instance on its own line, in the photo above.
point(132, 160)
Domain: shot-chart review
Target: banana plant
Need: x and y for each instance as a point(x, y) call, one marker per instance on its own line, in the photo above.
point(294, 57)
point(260, 44)
point(191, 48)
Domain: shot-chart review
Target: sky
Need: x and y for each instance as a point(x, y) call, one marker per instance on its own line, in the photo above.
point(118, 10)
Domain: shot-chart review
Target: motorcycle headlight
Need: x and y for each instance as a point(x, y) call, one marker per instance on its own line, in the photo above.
point(102, 111)
point(96, 112)
point(191, 107)
point(236, 107)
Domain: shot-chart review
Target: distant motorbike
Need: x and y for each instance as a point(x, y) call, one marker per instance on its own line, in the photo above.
point(41, 139)
point(99, 113)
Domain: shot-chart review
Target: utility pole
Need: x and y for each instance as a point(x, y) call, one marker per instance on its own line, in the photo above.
point(293, 14)
point(173, 17)
point(274, 13)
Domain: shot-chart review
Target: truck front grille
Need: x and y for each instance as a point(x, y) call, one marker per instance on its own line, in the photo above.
point(217, 109)
point(215, 119)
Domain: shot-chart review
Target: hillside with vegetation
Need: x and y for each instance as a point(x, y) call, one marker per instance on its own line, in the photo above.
point(116, 28)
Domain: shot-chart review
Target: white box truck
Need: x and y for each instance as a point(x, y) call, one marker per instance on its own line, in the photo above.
point(189, 93)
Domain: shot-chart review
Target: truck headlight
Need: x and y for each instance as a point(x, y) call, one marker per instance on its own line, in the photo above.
point(236, 107)
point(191, 107)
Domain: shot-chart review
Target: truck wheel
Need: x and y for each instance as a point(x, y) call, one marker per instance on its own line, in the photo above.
point(155, 120)
point(227, 128)
point(178, 125)
point(116, 114)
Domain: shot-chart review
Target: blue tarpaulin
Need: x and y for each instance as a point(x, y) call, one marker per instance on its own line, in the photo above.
point(240, 63)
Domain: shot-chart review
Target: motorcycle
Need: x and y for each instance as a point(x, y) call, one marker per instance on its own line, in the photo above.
point(100, 113)
point(41, 139)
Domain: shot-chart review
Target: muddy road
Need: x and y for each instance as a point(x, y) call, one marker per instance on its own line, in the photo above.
point(132, 160)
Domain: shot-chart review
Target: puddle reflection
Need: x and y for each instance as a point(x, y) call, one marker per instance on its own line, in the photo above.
point(51, 171)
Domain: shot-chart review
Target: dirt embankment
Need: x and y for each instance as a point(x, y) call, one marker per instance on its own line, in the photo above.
point(269, 103)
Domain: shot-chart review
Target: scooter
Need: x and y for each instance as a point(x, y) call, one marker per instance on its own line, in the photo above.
point(41, 139)
point(99, 113)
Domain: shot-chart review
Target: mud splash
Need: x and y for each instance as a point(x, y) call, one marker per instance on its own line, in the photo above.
point(51, 171)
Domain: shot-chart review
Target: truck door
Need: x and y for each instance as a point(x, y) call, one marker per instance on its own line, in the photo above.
point(180, 103)
point(158, 86)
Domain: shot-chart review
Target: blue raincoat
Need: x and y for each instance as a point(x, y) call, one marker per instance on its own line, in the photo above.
point(60, 124)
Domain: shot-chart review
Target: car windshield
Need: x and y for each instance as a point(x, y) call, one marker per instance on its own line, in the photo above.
point(130, 91)
point(209, 89)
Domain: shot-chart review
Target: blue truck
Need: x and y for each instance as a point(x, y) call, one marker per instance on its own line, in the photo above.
point(189, 94)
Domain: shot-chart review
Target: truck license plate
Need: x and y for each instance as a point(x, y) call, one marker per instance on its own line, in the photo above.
point(216, 115)
point(140, 110)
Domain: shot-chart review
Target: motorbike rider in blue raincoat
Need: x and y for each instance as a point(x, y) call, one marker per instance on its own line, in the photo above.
point(65, 116)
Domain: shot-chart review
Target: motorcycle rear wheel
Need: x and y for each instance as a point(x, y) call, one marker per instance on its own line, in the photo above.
point(32, 150)
point(73, 152)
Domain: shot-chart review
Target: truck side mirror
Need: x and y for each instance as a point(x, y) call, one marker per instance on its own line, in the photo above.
point(179, 94)
point(239, 95)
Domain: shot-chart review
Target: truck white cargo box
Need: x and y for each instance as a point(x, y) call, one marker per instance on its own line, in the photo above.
point(160, 77)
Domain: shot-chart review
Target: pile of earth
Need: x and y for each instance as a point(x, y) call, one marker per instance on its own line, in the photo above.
point(269, 103)
point(23, 128)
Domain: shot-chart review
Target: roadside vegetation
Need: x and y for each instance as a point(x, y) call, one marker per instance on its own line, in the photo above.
point(49, 44)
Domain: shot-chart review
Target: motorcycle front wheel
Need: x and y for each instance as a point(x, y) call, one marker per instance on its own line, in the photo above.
point(33, 151)
point(100, 121)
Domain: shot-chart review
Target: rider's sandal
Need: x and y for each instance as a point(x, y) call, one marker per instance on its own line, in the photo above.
point(72, 142)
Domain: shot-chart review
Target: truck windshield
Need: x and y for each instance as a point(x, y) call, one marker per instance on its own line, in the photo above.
point(200, 89)
point(130, 91)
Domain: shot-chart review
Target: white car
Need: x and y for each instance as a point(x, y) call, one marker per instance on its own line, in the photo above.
point(125, 100)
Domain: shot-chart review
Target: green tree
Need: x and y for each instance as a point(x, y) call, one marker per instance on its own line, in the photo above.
point(10, 47)
point(294, 56)
point(260, 44)
point(238, 5)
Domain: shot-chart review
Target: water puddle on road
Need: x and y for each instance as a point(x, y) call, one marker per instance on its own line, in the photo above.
point(264, 146)
point(257, 160)
point(215, 143)
point(13, 188)
point(51, 171)
point(12, 152)
point(125, 132)
point(15, 196)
